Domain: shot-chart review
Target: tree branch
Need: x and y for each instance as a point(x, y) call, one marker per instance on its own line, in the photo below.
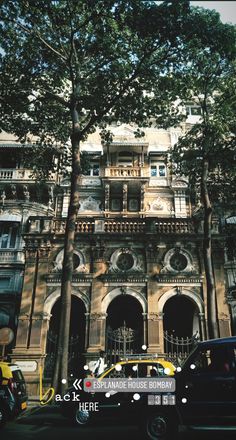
point(37, 34)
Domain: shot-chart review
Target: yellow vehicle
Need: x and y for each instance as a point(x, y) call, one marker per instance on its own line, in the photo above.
point(13, 396)
point(138, 367)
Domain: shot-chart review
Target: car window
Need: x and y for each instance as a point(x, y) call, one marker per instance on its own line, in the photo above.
point(219, 360)
point(151, 369)
point(17, 375)
point(125, 370)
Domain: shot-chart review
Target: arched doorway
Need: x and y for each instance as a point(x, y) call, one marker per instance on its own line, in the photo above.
point(181, 325)
point(124, 327)
point(77, 338)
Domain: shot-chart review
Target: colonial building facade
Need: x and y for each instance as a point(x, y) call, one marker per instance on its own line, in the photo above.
point(138, 283)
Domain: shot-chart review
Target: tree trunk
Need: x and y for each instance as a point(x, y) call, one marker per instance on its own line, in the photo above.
point(213, 328)
point(61, 364)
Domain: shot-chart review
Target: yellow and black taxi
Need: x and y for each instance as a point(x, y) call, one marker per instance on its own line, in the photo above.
point(115, 405)
point(13, 396)
point(138, 367)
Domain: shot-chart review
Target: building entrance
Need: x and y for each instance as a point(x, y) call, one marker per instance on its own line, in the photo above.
point(181, 326)
point(124, 329)
point(77, 339)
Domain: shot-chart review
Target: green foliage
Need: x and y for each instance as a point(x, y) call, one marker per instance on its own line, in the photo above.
point(208, 78)
point(87, 63)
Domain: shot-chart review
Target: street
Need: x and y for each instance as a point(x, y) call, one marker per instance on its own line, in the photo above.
point(48, 424)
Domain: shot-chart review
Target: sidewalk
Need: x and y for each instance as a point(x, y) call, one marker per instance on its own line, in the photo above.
point(34, 407)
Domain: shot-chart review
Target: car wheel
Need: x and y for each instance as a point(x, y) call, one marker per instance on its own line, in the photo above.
point(159, 427)
point(82, 417)
point(3, 417)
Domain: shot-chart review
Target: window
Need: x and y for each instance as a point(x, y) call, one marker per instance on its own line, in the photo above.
point(125, 159)
point(4, 283)
point(94, 170)
point(158, 170)
point(220, 360)
point(193, 110)
point(133, 205)
point(178, 261)
point(8, 235)
point(125, 261)
point(115, 204)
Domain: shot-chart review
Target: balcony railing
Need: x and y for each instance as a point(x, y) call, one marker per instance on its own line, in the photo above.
point(11, 256)
point(160, 226)
point(15, 174)
point(123, 172)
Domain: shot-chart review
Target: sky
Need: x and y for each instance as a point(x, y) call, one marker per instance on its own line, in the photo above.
point(226, 8)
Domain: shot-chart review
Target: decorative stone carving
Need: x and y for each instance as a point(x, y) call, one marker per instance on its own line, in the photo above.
point(178, 260)
point(152, 316)
point(26, 193)
point(125, 260)
point(90, 204)
point(95, 181)
point(96, 316)
point(79, 261)
point(125, 195)
point(107, 197)
point(160, 204)
point(142, 195)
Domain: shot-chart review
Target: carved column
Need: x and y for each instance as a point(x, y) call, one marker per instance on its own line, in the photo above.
point(202, 326)
point(97, 331)
point(125, 196)
point(28, 292)
point(145, 329)
point(142, 195)
point(40, 294)
point(97, 322)
point(107, 197)
point(153, 332)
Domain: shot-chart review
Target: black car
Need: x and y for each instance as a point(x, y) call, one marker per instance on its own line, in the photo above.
point(205, 393)
point(205, 396)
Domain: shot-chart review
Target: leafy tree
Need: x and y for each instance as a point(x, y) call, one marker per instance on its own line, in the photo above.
point(206, 153)
point(69, 67)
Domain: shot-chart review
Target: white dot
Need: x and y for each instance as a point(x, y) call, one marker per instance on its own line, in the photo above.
point(118, 404)
point(178, 369)
point(186, 386)
point(71, 374)
point(63, 381)
point(132, 401)
point(135, 367)
point(107, 395)
point(167, 370)
point(192, 366)
point(118, 367)
point(144, 347)
point(136, 396)
point(184, 400)
point(86, 367)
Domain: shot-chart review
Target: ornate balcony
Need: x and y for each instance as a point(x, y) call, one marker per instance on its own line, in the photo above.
point(15, 174)
point(123, 172)
point(162, 226)
point(11, 256)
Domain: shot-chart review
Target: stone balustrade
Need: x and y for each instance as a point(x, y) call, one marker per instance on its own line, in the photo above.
point(123, 172)
point(15, 174)
point(113, 226)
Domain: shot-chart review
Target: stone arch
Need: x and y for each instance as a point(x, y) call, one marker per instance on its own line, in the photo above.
point(194, 297)
point(54, 296)
point(123, 291)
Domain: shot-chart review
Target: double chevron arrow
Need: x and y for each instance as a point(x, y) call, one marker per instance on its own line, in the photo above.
point(76, 384)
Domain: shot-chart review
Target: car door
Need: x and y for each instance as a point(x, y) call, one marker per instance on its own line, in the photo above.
point(116, 403)
point(206, 388)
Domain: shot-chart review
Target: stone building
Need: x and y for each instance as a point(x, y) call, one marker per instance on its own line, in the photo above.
point(138, 266)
